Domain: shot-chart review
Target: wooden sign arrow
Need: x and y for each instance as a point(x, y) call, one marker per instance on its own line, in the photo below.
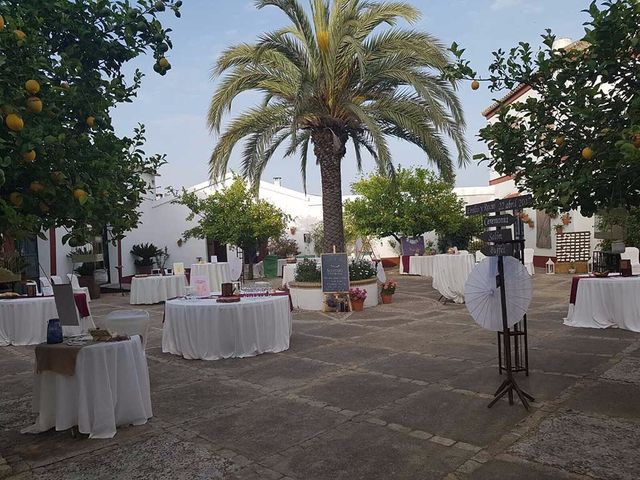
point(498, 250)
point(500, 205)
point(496, 236)
point(499, 220)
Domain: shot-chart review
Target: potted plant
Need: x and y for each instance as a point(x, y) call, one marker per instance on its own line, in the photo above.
point(357, 296)
point(430, 248)
point(145, 254)
point(387, 291)
point(572, 268)
point(86, 279)
point(559, 228)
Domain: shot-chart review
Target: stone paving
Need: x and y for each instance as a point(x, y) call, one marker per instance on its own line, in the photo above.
point(395, 392)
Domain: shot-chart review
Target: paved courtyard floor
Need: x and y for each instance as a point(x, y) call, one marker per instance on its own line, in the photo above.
point(395, 392)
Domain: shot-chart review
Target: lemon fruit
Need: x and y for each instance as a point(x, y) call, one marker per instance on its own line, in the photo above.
point(636, 140)
point(163, 62)
point(80, 195)
point(1, 22)
point(56, 177)
point(34, 105)
point(587, 153)
point(91, 121)
point(32, 86)
point(20, 35)
point(14, 122)
point(16, 199)
point(36, 187)
point(559, 141)
point(475, 85)
point(29, 156)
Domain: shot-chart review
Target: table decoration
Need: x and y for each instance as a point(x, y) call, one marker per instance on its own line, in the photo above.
point(387, 291)
point(357, 296)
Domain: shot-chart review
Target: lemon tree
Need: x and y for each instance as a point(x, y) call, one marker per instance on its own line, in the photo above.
point(61, 74)
point(574, 143)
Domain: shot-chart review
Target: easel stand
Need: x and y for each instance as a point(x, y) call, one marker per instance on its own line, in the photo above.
point(509, 385)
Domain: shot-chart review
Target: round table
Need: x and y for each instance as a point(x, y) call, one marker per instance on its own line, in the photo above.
point(606, 302)
point(217, 273)
point(450, 274)
point(288, 274)
point(24, 321)
point(206, 330)
point(110, 387)
point(421, 265)
point(156, 289)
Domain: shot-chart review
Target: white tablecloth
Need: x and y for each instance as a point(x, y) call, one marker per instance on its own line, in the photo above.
point(24, 321)
point(156, 288)
point(421, 265)
point(217, 273)
point(206, 330)
point(289, 274)
point(450, 274)
point(282, 262)
point(110, 387)
point(606, 302)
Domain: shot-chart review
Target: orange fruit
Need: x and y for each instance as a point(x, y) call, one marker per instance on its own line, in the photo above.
point(56, 177)
point(14, 122)
point(163, 62)
point(91, 121)
point(636, 140)
point(16, 199)
point(559, 141)
point(32, 86)
point(36, 187)
point(44, 208)
point(587, 153)
point(20, 35)
point(1, 22)
point(80, 195)
point(29, 156)
point(475, 85)
point(34, 104)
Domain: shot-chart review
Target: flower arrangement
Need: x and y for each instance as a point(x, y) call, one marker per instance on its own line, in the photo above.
point(357, 294)
point(389, 287)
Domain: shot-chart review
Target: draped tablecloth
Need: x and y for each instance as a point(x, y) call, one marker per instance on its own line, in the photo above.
point(450, 274)
point(606, 302)
point(288, 274)
point(110, 387)
point(421, 265)
point(156, 288)
point(207, 330)
point(217, 273)
point(23, 321)
point(404, 264)
point(282, 262)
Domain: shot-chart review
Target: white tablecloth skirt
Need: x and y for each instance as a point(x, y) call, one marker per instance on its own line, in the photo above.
point(217, 273)
point(207, 330)
point(282, 262)
point(606, 302)
point(421, 265)
point(24, 321)
point(156, 289)
point(110, 388)
point(289, 274)
point(450, 274)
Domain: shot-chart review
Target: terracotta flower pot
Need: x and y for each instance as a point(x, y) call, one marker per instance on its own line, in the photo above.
point(357, 305)
point(387, 297)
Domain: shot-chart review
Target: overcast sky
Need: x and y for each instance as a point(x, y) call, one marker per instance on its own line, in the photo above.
point(174, 107)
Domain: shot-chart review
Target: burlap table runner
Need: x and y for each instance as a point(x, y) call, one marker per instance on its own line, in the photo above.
point(58, 357)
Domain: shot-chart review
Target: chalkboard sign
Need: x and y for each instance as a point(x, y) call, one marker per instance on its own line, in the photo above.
point(335, 272)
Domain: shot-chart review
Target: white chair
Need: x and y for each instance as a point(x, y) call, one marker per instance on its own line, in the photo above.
point(633, 254)
point(56, 280)
point(463, 252)
point(45, 287)
point(129, 322)
point(528, 261)
point(75, 284)
point(480, 256)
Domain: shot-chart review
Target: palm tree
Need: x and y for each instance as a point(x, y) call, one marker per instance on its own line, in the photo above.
point(332, 76)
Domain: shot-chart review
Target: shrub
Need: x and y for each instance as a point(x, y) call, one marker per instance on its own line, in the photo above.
point(361, 270)
point(145, 253)
point(283, 247)
point(86, 269)
point(307, 271)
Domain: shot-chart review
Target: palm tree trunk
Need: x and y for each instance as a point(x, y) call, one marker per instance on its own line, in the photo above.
point(329, 149)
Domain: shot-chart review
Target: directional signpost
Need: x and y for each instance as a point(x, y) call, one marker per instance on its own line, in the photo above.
point(501, 245)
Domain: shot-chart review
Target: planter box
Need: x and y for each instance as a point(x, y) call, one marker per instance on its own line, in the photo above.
point(91, 257)
point(309, 296)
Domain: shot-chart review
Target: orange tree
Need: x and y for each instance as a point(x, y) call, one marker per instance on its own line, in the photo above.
point(574, 143)
point(61, 64)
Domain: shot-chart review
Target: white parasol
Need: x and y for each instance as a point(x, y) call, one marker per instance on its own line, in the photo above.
point(482, 296)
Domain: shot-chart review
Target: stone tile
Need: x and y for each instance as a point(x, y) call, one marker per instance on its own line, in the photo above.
point(418, 367)
point(15, 387)
point(16, 414)
point(340, 330)
point(477, 352)
point(383, 322)
point(504, 470)
point(456, 416)
point(563, 362)
point(608, 398)
point(347, 354)
point(266, 426)
point(359, 392)
point(627, 370)
point(156, 457)
point(301, 343)
point(162, 375)
point(363, 451)
point(542, 386)
point(438, 330)
point(184, 402)
point(286, 372)
point(603, 448)
point(13, 364)
point(578, 344)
